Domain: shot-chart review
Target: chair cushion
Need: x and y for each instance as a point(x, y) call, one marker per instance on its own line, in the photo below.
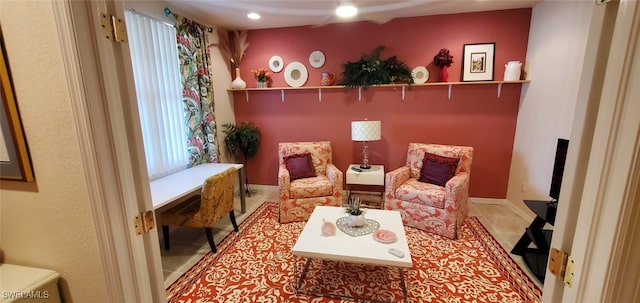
point(437, 169)
point(310, 187)
point(415, 191)
point(300, 166)
point(180, 213)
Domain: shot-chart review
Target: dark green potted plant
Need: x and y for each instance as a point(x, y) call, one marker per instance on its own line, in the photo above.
point(372, 70)
point(242, 142)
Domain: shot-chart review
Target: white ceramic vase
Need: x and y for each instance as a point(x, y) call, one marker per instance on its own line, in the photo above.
point(512, 71)
point(238, 83)
point(355, 221)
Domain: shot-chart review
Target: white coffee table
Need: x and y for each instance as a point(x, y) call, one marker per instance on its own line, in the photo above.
point(345, 248)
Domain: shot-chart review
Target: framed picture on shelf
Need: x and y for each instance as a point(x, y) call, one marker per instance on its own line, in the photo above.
point(14, 157)
point(478, 61)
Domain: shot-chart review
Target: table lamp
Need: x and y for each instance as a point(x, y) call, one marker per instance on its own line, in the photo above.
point(365, 131)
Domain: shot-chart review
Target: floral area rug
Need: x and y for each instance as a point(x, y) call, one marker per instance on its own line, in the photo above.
point(256, 265)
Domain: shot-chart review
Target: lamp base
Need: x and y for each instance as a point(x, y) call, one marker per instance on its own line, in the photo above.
point(365, 166)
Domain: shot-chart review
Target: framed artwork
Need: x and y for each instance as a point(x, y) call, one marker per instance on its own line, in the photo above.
point(478, 62)
point(14, 156)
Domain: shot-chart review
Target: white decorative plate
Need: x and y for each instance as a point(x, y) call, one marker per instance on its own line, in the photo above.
point(316, 59)
point(295, 74)
point(276, 64)
point(420, 74)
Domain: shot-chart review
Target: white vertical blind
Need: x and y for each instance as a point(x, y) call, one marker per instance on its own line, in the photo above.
point(154, 52)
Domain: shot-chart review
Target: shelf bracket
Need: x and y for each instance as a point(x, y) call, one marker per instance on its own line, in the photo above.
point(319, 94)
point(359, 93)
point(246, 95)
point(282, 95)
point(449, 96)
point(499, 90)
point(403, 92)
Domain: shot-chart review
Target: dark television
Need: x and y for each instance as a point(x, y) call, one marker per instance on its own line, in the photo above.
point(558, 168)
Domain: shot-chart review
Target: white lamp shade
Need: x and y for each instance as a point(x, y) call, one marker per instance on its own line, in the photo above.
point(366, 130)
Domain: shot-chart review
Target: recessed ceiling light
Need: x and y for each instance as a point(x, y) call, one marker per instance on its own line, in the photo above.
point(346, 10)
point(253, 16)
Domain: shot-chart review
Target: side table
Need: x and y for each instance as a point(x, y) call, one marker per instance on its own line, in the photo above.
point(372, 177)
point(536, 257)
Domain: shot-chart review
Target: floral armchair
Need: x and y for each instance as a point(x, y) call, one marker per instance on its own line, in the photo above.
point(322, 186)
point(430, 207)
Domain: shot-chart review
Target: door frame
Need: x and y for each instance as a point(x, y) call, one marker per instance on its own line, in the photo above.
point(597, 203)
point(103, 99)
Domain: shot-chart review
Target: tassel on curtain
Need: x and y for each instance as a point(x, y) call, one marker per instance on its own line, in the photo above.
point(197, 91)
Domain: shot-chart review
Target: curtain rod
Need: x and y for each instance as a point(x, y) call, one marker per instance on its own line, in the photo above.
point(132, 10)
point(167, 11)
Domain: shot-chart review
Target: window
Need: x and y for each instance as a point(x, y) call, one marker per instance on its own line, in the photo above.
point(156, 74)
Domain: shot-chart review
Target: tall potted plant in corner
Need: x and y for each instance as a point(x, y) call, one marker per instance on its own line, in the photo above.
point(242, 142)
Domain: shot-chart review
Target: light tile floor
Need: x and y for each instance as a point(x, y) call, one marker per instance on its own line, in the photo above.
point(188, 245)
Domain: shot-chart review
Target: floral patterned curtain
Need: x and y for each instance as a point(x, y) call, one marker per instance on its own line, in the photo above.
point(197, 91)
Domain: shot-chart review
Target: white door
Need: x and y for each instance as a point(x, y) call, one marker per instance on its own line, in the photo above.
point(598, 216)
point(105, 109)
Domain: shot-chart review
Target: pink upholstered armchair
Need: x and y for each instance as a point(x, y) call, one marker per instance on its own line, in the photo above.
point(427, 206)
point(301, 190)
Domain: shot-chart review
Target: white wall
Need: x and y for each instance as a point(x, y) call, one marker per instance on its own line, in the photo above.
point(220, 74)
point(47, 223)
point(557, 41)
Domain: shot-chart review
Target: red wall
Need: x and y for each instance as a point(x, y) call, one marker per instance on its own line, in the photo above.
point(474, 116)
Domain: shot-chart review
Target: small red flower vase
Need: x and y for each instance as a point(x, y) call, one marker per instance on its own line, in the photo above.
point(444, 75)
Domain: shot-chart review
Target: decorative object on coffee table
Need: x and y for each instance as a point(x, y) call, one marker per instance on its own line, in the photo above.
point(478, 61)
point(366, 131)
point(368, 227)
point(328, 229)
point(356, 214)
point(443, 60)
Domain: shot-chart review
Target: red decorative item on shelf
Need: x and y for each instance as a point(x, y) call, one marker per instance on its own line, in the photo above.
point(443, 60)
point(444, 74)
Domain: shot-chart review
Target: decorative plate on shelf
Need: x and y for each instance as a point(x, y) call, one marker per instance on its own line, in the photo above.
point(420, 74)
point(316, 59)
point(276, 64)
point(384, 236)
point(295, 74)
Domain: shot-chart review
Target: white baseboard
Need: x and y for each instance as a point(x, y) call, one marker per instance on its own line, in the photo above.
point(487, 200)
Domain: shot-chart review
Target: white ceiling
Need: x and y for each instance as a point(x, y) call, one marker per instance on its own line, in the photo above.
point(232, 14)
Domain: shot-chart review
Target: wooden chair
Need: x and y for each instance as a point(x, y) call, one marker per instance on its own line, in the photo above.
point(206, 209)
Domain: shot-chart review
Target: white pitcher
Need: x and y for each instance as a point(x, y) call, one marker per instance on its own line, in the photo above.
point(512, 71)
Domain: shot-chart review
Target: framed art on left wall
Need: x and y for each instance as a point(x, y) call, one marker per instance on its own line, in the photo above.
point(15, 163)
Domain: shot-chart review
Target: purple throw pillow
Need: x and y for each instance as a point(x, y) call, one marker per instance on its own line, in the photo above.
point(437, 169)
point(299, 166)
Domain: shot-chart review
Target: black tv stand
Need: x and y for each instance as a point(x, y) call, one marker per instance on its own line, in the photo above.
point(536, 257)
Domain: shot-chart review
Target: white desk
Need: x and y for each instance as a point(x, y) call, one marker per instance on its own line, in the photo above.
point(173, 187)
